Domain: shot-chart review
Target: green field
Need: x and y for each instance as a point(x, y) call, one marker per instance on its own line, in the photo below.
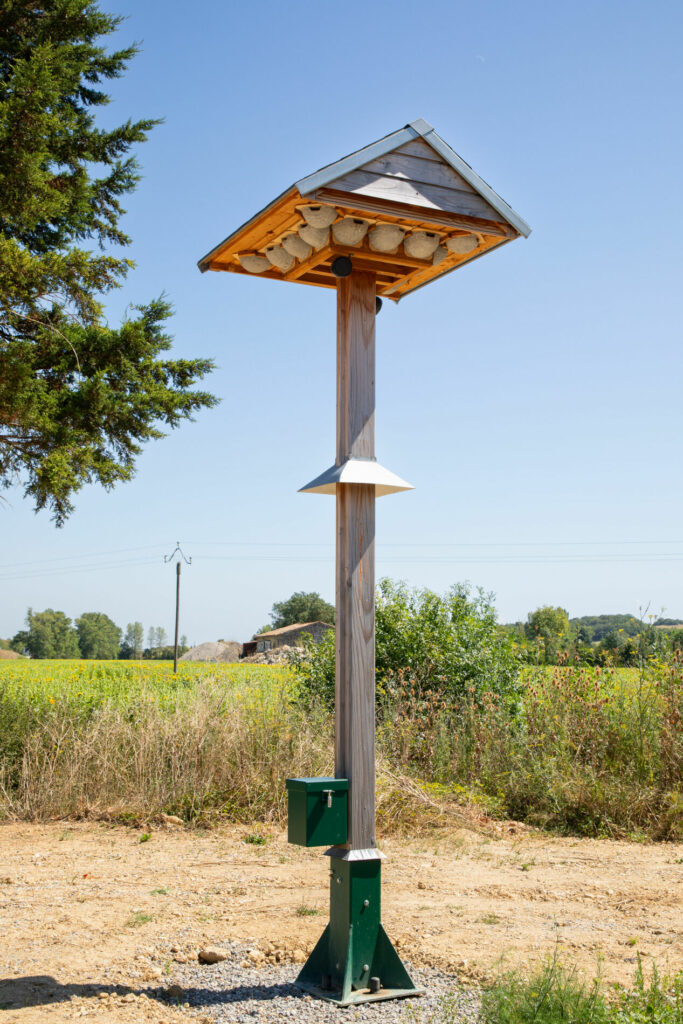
point(123, 682)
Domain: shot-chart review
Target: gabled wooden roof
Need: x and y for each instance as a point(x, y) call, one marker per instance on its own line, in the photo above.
point(410, 179)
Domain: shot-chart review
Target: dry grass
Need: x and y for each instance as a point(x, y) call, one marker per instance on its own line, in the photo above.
point(214, 754)
point(585, 753)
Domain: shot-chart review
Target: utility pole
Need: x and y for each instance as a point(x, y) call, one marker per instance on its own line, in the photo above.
point(182, 557)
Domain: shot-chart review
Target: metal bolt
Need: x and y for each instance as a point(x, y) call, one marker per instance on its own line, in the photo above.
point(375, 984)
point(366, 967)
point(339, 880)
point(366, 903)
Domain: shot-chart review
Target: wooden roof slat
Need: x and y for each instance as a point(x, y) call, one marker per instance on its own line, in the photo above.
point(411, 193)
point(411, 178)
point(416, 129)
point(418, 168)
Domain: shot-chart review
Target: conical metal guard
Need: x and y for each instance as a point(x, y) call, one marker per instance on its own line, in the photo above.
point(357, 471)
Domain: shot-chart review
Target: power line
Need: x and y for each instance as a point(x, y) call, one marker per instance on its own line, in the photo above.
point(87, 554)
point(97, 567)
point(386, 553)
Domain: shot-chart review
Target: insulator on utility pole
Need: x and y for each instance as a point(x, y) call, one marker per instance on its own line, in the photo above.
point(182, 557)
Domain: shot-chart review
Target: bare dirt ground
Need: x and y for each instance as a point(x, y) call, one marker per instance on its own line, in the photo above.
point(92, 919)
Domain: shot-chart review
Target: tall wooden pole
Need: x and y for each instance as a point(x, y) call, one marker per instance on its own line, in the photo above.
point(354, 960)
point(355, 633)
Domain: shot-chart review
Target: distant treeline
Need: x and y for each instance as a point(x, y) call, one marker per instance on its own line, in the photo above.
point(550, 635)
point(52, 634)
point(598, 626)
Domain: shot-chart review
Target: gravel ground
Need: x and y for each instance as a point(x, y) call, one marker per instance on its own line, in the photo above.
point(230, 992)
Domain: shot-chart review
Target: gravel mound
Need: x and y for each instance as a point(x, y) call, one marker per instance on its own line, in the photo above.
point(222, 650)
point(9, 655)
point(236, 991)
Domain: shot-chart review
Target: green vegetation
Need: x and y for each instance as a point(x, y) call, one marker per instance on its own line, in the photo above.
point(137, 918)
point(557, 995)
point(98, 636)
point(300, 607)
point(426, 643)
point(304, 910)
point(78, 398)
point(255, 839)
point(132, 740)
point(550, 637)
point(132, 645)
point(598, 627)
point(50, 634)
point(577, 750)
point(588, 751)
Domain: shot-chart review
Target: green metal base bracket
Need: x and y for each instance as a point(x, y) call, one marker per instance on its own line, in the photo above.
point(354, 960)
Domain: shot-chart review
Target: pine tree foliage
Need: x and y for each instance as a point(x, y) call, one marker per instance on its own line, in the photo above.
point(78, 398)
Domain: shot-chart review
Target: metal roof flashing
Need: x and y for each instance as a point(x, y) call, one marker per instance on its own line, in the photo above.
point(422, 129)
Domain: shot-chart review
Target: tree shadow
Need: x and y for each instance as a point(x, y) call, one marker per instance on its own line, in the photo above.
point(44, 990)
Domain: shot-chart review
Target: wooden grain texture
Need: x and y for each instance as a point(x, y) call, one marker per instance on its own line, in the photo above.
point(364, 251)
point(355, 571)
point(419, 278)
point(355, 658)
point(415, 168)
point(356, 366)
point(418, 147)
point(416, 193)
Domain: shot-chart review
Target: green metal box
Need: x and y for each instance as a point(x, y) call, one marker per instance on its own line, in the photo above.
point(317, 811)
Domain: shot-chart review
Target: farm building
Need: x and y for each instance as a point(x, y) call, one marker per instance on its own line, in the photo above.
point(287, 636)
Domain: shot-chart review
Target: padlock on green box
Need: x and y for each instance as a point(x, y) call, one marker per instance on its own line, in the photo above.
point(317, 811)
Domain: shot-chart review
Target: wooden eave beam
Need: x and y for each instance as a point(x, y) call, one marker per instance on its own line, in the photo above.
point(240, 239)
point(366, 253)
point(311, 262)
point(402, 212)
point(418, 279)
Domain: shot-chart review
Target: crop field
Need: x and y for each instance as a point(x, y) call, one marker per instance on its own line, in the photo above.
point(122, 682)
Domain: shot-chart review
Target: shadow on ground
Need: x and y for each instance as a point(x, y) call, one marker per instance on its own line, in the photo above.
point(43, 990)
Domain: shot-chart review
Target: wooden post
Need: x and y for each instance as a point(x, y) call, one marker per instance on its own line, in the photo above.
point(355, 633)
point(177, 614)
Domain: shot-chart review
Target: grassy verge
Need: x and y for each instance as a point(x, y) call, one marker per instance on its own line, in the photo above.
point(87, 739)
point(556, 994)
point(584, 751)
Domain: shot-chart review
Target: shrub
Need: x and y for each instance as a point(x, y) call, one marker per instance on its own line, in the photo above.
point(450, 645)
point(591, 752)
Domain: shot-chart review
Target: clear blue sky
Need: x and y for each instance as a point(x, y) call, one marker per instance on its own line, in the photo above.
point(532, 398)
